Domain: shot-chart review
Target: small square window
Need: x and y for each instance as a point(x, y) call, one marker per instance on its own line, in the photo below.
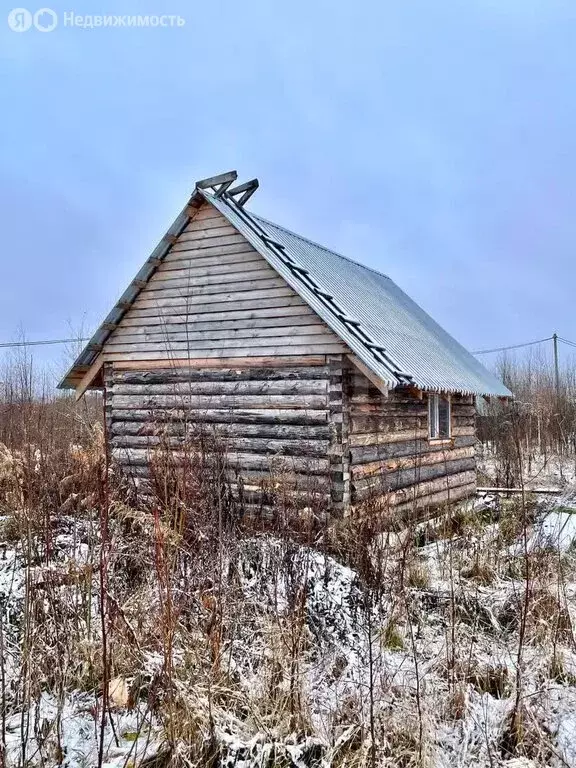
point(438, 417)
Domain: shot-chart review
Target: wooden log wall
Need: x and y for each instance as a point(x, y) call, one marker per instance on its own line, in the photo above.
point(391, 457)
point(275, 423)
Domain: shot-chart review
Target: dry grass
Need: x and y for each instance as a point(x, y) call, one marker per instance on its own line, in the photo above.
point(224, 640)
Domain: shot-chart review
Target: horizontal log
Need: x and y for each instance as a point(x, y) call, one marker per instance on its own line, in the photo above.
point(276, 481)
point(457, 431)
point(414, 507)
point(390, 436)
point(463, 399)
point(464, 412)
point(186, 375)
point(366, 407)
point(257, 514)
point(398, 422)
point(413, 407)
point(282, 464)
point(387, 421)
point(385, 437)
point(287, 402)
point(181, 427)
point(377, 419)
point(376, 410)
point(243, 387)
point(430, 487)
point(366, 454)
point(256, 495)
point(405, 505)
point(190, 335)
point(377, 399)
point(507, 491)
point(377, 484)
point(308, 417)
point(263, 446)
point(391, 465)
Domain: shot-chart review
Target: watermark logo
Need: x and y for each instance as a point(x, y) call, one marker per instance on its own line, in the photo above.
point(21, 20)
point(46, 20)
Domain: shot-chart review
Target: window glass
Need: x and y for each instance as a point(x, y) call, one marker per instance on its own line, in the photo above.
point(438, 416)
point(433, 415)
point(443, 417)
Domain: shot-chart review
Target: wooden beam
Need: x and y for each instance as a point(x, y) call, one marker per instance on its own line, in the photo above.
point(380, 385)
point(248, 188)
point(415, 392)
point(505, 491)
point(89, 377)
point(213, 181)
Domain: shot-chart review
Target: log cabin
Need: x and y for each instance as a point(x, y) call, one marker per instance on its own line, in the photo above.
point(308, 365)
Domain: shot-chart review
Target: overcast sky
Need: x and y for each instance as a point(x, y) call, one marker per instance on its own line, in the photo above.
point(432, 140)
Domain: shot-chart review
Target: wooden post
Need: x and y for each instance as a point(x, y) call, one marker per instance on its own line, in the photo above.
point(556, 368)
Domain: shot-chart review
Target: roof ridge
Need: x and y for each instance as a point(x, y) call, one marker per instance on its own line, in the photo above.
point(319, 245)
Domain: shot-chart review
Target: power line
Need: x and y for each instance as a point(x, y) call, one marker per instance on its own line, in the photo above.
point(46, 342)
point(512, 346)
point(9, 344)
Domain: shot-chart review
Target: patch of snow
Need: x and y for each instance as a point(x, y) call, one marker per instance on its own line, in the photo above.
point(70, 731)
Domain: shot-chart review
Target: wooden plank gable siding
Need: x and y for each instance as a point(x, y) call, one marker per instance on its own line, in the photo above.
point(215, 296)
point(392, 457)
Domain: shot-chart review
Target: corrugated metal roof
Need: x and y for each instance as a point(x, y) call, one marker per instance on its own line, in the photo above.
point(417, 350)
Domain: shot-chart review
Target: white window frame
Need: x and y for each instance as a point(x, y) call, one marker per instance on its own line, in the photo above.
point(434, 417)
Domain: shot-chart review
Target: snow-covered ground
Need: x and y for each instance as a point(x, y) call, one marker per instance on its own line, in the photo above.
point(538, 470)
point(433, 665)
point(268, 652)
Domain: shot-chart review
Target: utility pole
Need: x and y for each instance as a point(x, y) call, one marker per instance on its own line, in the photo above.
point(556, 372)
